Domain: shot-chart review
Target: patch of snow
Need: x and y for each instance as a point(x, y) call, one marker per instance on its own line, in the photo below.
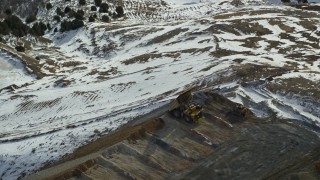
point(12, 72)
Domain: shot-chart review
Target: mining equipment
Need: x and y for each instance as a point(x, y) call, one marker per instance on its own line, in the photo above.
point(184, 107)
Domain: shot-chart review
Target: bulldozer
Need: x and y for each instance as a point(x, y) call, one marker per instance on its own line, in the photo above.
point(184, 107)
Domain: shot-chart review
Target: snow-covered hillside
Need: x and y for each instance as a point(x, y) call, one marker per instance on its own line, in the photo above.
point(11, 70)
point(101, 76)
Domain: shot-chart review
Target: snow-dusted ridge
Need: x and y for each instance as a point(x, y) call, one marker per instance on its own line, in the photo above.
point(103, 75)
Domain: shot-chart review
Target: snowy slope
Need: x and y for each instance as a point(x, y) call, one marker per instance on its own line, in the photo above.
point(11, 70)
point(103, 75)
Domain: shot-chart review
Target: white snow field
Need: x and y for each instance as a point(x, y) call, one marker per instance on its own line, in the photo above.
point(12, 71)
point(103, 75)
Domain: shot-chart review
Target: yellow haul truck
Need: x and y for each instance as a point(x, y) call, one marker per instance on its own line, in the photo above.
point(184, 107)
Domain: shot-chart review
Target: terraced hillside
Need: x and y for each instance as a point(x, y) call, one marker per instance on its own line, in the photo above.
point(226, 146)
point(91, 81)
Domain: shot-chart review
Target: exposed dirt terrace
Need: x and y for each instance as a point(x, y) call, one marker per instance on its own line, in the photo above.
point(235, 146)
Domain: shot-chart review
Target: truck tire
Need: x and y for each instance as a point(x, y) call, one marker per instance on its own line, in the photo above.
point(188, 119)
point(176, 113)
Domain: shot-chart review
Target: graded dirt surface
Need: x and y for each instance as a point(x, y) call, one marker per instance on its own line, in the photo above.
point(228, 145)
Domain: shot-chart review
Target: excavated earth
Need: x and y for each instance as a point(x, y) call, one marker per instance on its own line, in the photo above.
point(227, 146)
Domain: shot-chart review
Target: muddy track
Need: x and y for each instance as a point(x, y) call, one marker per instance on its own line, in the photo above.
point(159, 146)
